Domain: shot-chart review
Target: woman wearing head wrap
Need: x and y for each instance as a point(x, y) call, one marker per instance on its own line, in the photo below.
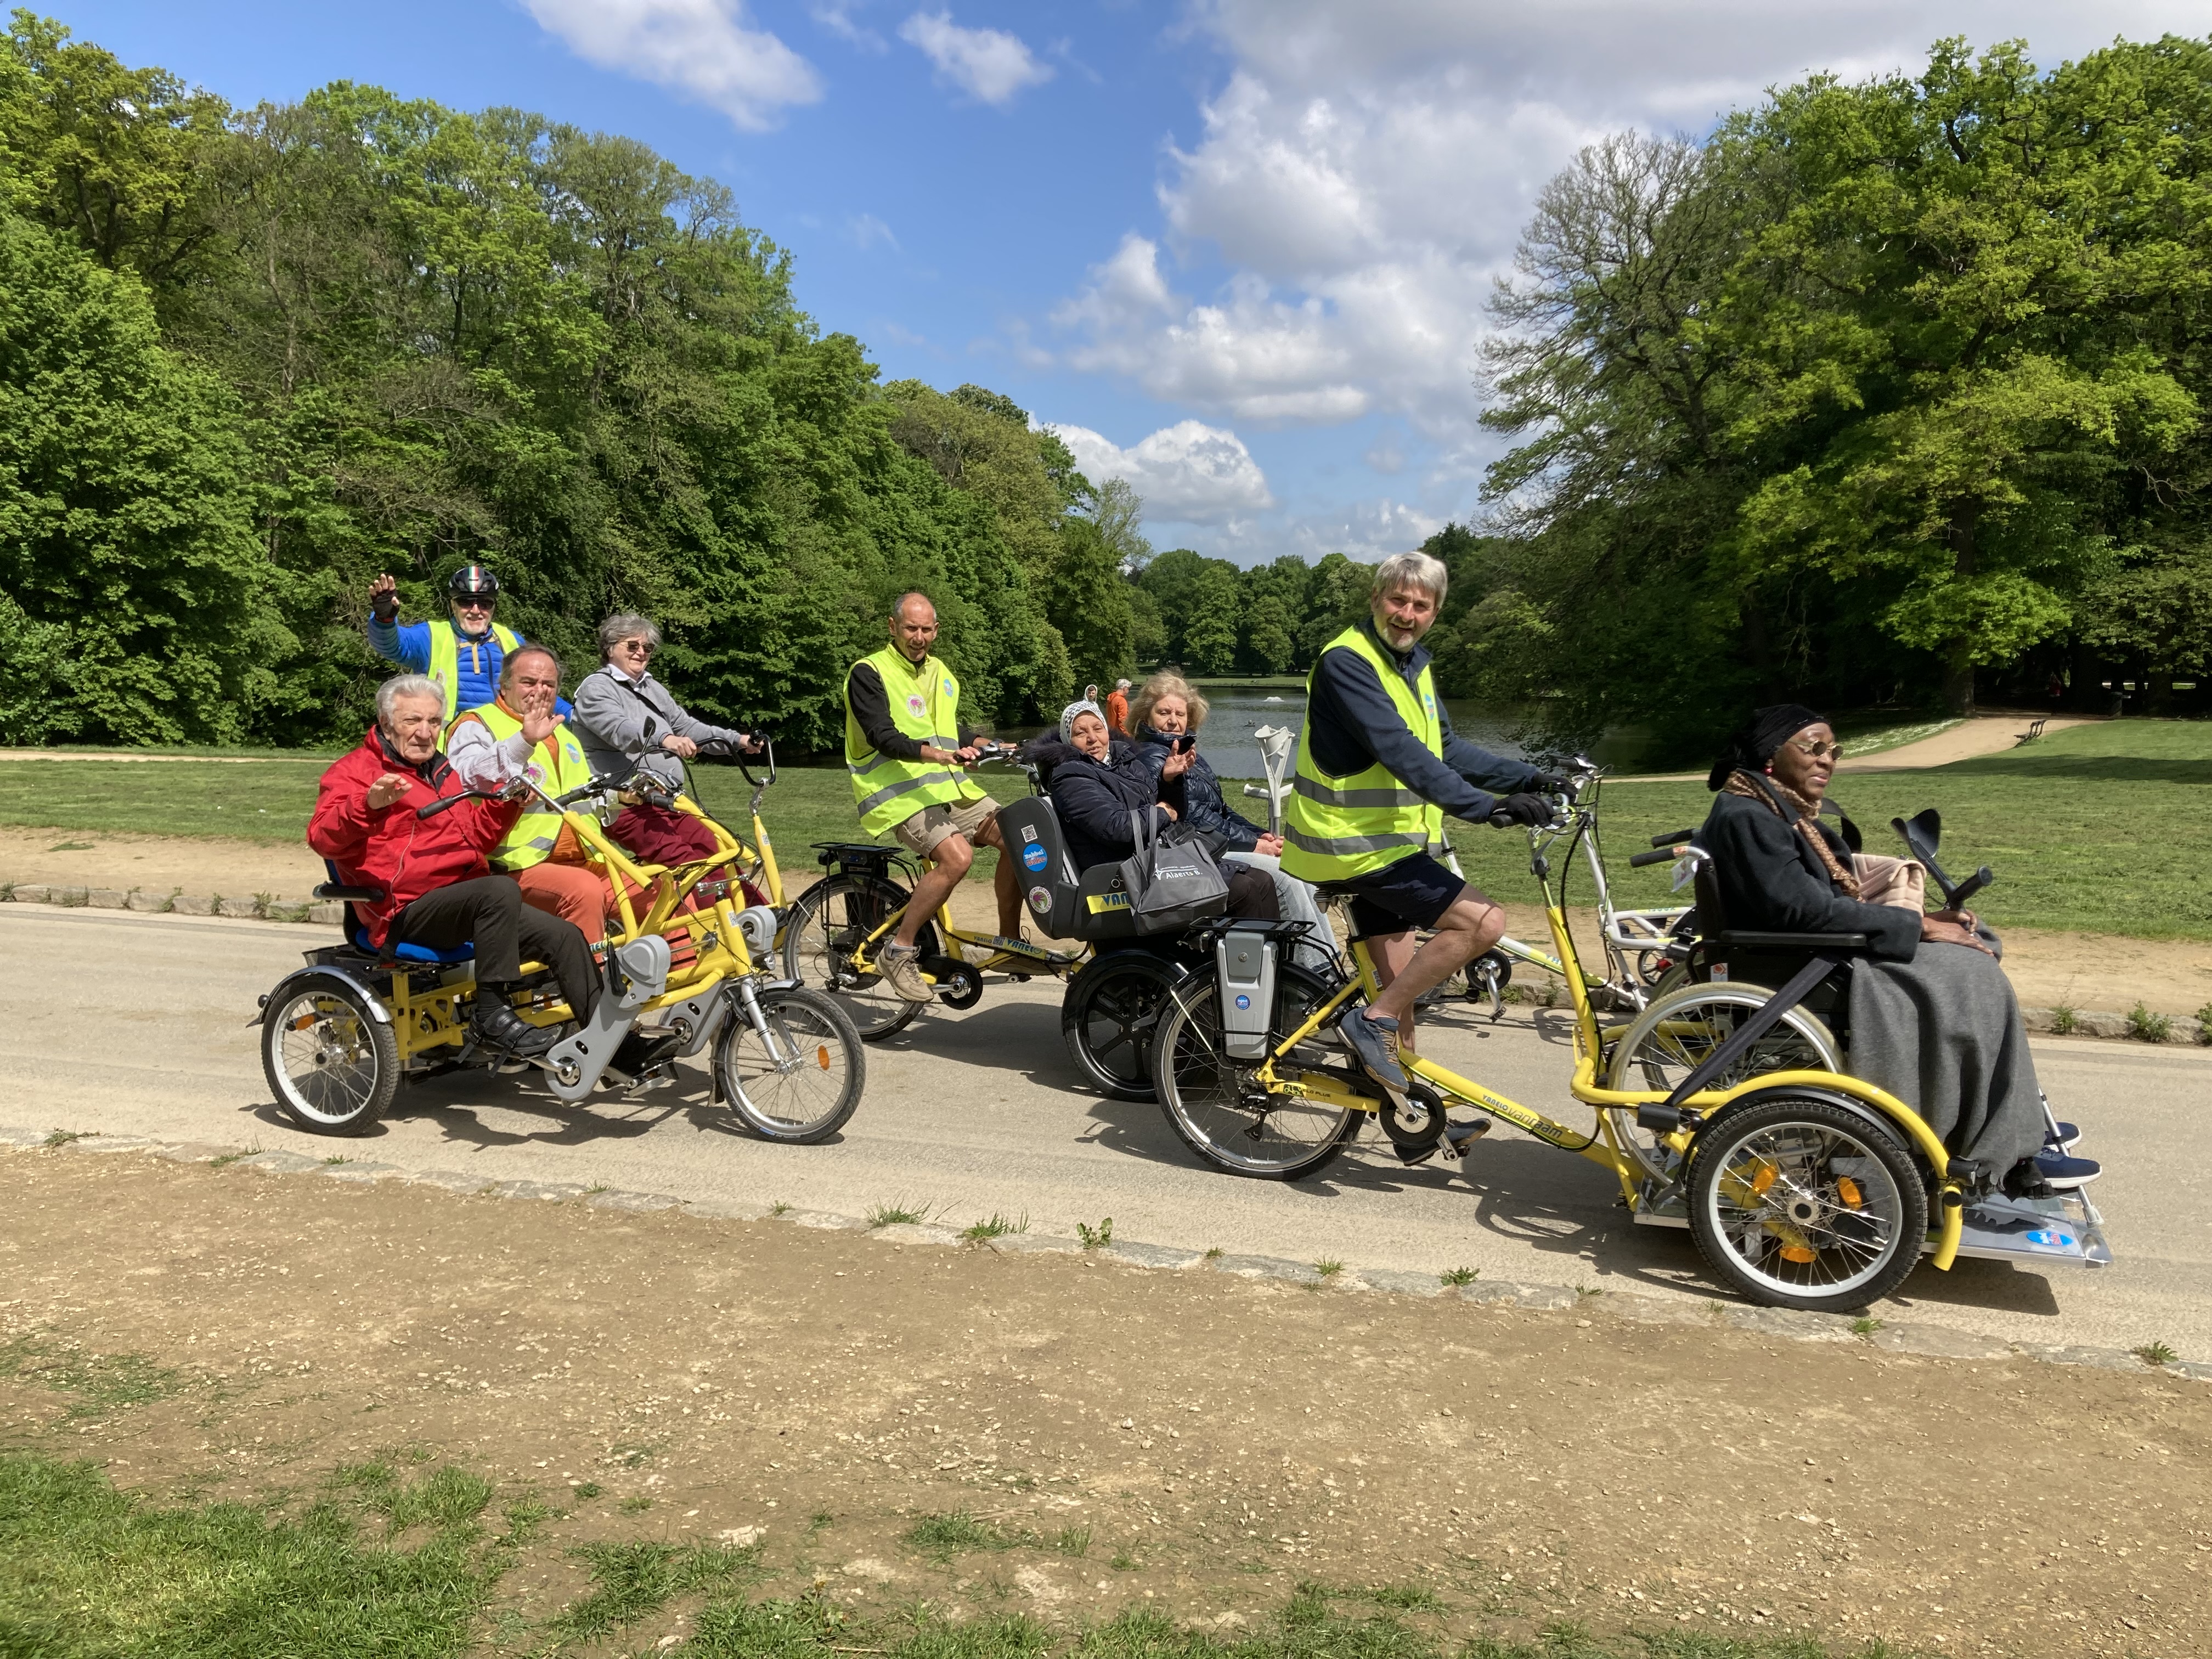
point(1099, 783)
point(1937, 1027)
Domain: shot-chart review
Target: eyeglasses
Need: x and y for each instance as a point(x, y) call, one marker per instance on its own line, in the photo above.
point(1817, 749)
point(466, 604)
point(634, 648)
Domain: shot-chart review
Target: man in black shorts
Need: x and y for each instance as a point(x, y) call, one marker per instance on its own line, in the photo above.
point(1378, 767)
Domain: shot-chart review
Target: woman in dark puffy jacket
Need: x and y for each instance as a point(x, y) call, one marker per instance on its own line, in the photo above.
point(1167, 710)
point(1097, 783)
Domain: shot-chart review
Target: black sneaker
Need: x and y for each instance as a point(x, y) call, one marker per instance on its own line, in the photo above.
point(2062, 1173)
point(498, 1027)
point(1374, 1044)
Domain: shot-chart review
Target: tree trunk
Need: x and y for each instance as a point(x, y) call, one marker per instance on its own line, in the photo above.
point(1958, 681)
point(1958, 664)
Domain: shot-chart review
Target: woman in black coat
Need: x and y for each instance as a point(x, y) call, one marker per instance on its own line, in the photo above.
point(1098, 783)
point(1934, 1020)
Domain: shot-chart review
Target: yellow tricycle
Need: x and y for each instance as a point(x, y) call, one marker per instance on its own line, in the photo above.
point(689, 964)
point(1723, 1106)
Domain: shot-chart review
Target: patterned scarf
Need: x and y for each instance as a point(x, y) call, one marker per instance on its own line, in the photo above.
point(1771, 792)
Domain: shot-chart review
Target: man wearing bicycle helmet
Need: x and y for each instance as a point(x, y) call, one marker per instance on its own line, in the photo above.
point(1378, 768)
point(465, 655)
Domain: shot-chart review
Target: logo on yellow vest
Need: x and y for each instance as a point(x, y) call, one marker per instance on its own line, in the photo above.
point(915, 706)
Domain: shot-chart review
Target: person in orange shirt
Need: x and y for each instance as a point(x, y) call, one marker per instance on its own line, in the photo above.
point(1117, 710)
point(515, 735)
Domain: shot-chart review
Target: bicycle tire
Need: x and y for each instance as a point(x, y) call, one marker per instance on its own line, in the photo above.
point(829, 918)
point(331, 1064)
point(1107, 1018)
point(819, 1035)
point(1798, 1201)
point(1202, 1091)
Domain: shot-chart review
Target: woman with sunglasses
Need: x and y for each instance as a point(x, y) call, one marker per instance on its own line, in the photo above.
point(628, 723)
point(1933, 1017)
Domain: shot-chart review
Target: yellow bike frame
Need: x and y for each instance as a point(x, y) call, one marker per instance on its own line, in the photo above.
point(1600, 1145)
point(437, 1019)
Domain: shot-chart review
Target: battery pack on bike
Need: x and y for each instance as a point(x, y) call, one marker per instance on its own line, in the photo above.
point(1244, 963)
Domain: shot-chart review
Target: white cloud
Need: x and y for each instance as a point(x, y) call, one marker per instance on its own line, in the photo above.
point(703, 48)
point(989, 65)
point(836, 16)
point(867, 231)
point(1363, 172)
point(1188, 473)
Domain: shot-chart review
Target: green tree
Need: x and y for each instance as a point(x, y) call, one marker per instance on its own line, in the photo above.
point(126, 513)
point(1210, 634)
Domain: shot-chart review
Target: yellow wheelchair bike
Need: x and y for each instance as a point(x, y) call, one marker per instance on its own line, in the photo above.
point(340, 1035)
point(1722, 1107)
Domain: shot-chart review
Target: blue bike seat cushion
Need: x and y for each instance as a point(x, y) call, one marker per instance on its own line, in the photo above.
point(396, 950)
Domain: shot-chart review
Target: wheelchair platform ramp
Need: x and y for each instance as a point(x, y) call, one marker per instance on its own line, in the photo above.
point(2062, 1228)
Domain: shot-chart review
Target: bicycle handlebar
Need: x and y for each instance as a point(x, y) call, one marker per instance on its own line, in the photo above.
point(1664, 855)
point(1672, 837)
point(446, 803)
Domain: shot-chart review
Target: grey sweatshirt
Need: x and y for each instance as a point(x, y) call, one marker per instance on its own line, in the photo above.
point(611, 710)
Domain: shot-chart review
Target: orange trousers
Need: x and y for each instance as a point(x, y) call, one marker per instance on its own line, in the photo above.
point(571, 891)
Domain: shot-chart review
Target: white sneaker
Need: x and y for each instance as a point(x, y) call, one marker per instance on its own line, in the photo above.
point(901, 969)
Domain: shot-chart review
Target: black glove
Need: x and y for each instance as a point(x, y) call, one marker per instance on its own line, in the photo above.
point(1527, 810)
point(1547, 783)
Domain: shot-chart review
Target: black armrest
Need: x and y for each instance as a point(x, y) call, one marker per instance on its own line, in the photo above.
point(1792, 941)
point(330, 889)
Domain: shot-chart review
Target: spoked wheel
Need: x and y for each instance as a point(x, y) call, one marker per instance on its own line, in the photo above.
point(801, 1083)
point(332, 1065)
point(1217, 1108)
point(831, 920)
point(1672, 1035)
point(1108, 1018)
point(1798, 1202)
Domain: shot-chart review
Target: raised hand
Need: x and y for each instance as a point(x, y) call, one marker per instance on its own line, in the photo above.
point(541, 725)
point(384, 598)
point(1178, 764)
point(388, 789)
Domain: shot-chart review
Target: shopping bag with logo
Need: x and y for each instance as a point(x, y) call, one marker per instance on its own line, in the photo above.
point(1170, 883)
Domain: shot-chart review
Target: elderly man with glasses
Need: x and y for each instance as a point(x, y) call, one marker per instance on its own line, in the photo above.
point(465, 655)
point(614, 705)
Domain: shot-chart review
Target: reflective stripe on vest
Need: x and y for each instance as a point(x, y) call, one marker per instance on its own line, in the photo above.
point(536, 831)
point(1336, 828)
point(446, 659)
point(923, 705)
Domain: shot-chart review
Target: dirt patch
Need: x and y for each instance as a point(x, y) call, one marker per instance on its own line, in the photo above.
point(1985, 734)
point(1190, 1441)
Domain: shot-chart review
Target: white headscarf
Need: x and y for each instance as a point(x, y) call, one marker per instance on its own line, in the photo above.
point(1080, 705)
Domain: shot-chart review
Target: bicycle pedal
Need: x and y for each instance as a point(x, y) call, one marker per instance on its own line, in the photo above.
point(1459, 1139)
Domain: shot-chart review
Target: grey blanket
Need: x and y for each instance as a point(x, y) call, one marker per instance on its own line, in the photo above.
point(1943, 1033)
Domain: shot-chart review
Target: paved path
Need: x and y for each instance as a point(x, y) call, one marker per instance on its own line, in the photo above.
point(138, 1024)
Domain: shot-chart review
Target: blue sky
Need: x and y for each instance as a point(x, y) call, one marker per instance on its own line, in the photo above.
point(1236, 249)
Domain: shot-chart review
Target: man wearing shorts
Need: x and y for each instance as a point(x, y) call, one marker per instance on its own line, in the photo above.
point(1378, 767)
point(903, 746)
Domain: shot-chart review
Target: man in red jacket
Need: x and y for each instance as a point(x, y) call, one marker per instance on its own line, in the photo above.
point(438, 889)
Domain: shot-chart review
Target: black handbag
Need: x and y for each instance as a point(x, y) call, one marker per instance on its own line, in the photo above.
point(1170, 883)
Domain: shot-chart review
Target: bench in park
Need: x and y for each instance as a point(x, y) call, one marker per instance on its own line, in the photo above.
point(2034, 731)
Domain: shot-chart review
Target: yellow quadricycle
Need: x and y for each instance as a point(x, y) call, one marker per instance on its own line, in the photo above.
point(1723, 1106)
point(690, 965)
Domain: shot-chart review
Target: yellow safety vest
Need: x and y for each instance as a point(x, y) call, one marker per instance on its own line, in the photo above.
point(1335, 828)
point(556, 766)
point(925, 706)
point(445, 658)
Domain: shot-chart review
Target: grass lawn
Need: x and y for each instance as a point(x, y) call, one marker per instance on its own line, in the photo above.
point(2099, 829)
point(379, 1561)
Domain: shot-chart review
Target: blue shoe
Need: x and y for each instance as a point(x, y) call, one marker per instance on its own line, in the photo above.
point(2062, 1137)
point(2061, 1173)
point(1374, 1044)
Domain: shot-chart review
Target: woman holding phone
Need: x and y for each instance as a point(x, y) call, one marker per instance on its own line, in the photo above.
point(1165, 715)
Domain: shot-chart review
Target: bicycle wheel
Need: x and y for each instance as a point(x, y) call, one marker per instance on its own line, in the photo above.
point(1800, 1202)
point(332, 1065)
point(1675, 1033)
point(803, 1087)
point(1109, 1017)
point(826, 926)
point(1212, 1102)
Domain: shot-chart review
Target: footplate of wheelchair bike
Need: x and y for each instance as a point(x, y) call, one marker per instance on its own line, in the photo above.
point(2063, 1228)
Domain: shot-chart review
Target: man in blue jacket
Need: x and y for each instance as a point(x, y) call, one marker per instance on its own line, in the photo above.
point(464, 655)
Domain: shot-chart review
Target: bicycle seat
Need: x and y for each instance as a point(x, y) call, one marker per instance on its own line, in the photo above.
point(357, 933)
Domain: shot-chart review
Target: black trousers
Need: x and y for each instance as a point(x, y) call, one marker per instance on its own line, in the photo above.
point(489, 912)
point(1252, 893)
